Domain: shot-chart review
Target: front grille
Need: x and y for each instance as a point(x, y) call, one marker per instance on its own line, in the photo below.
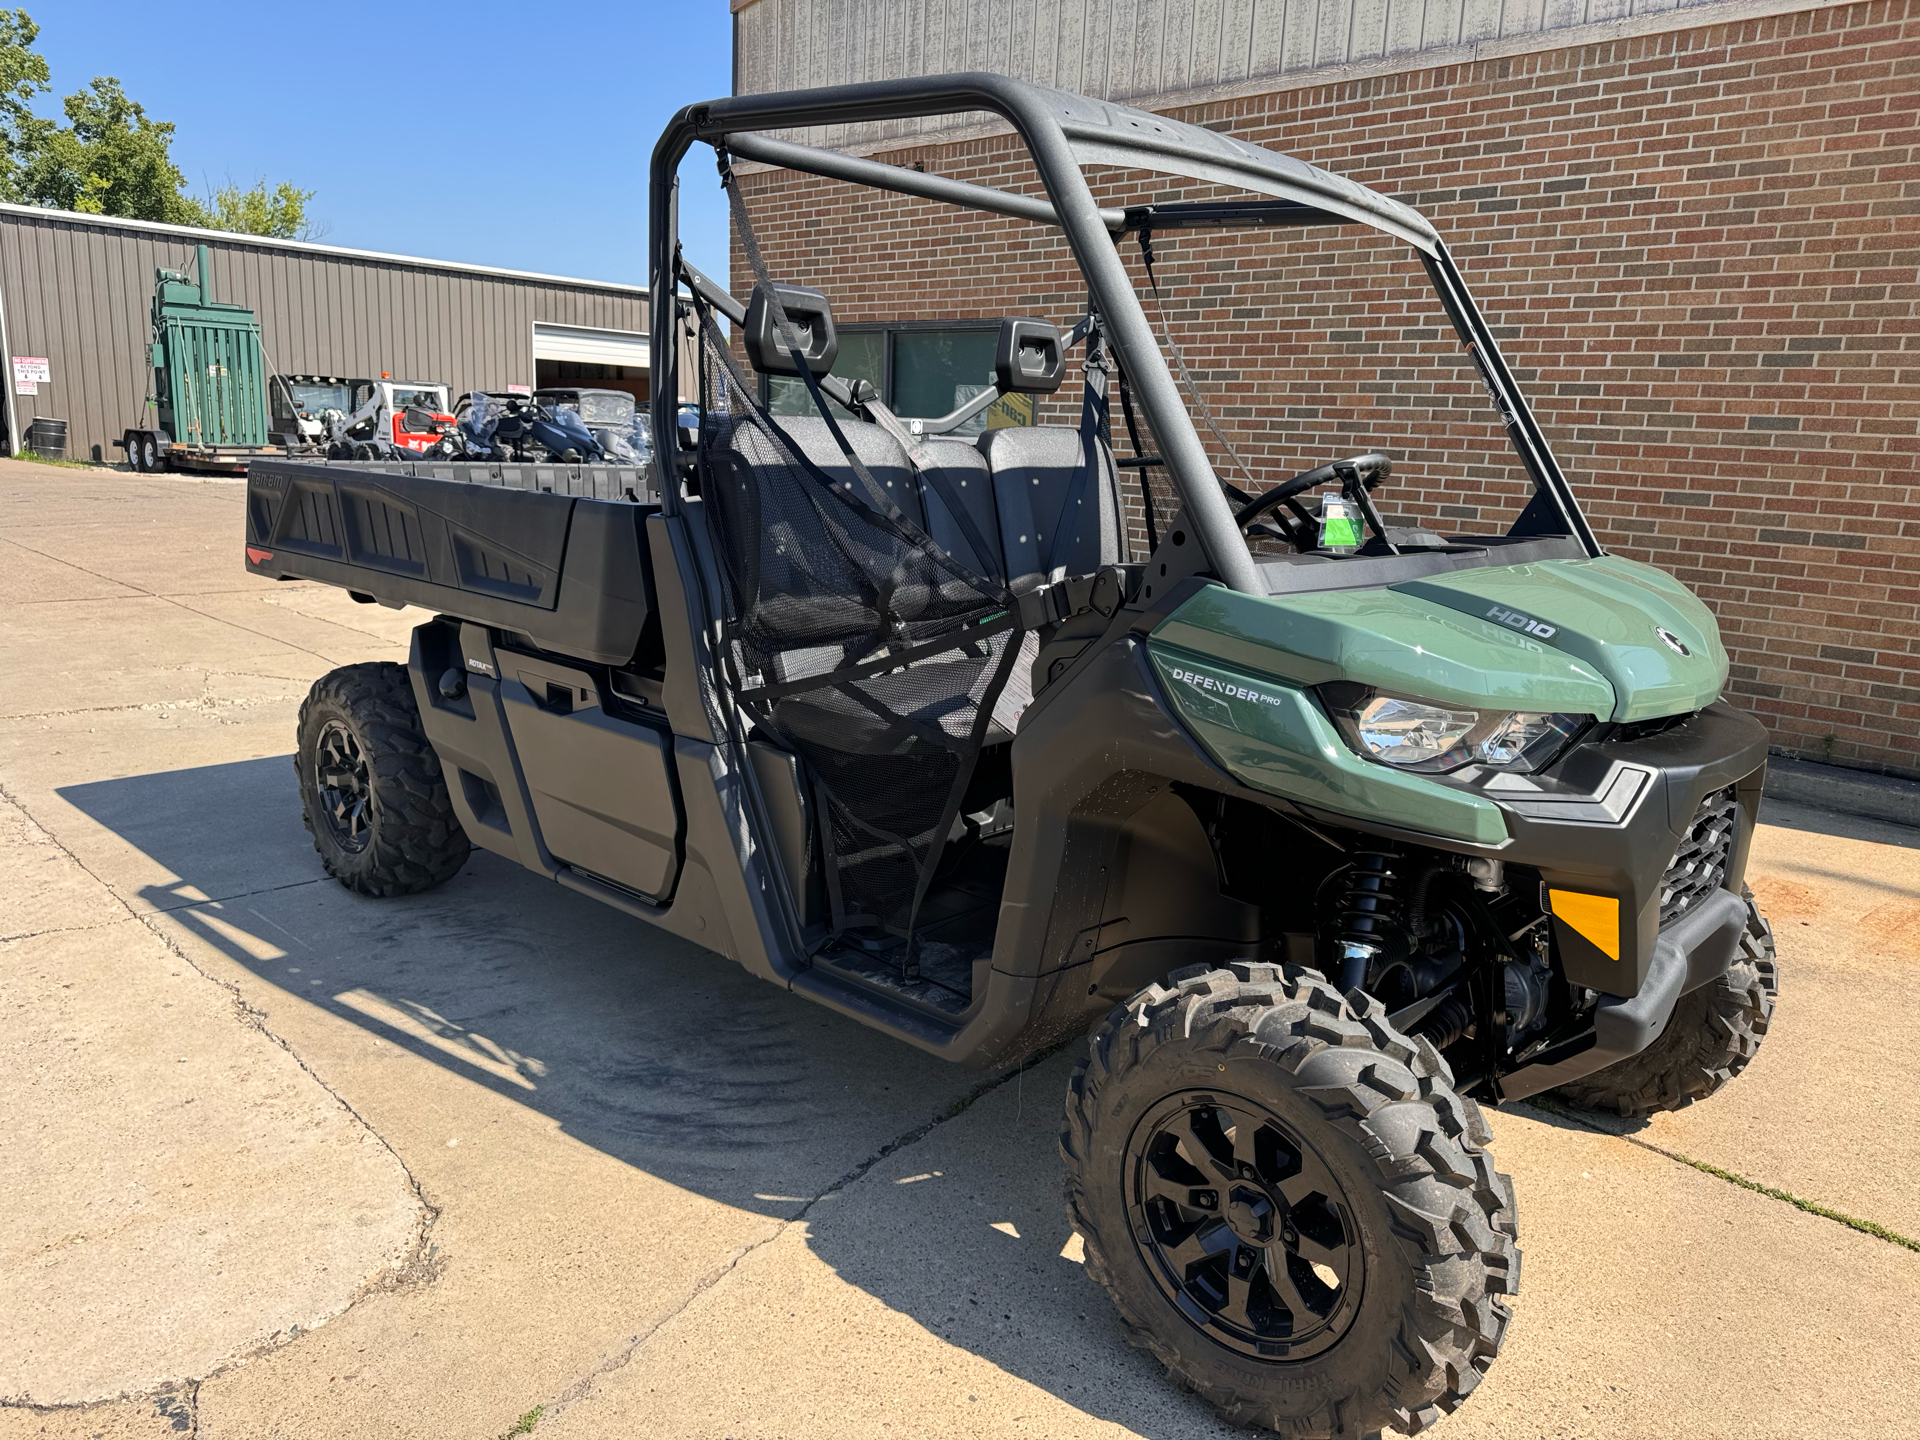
point(1700, 864)
point(1647, 729)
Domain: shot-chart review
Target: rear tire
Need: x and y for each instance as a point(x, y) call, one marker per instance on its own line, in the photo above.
point(371, 789)
point(1712, 1036)
point(1334, 1146)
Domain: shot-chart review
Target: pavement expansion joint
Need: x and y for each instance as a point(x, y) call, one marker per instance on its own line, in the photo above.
point(422, 1261)
point(581, 1388)
point(1787, 1197)
point(175, 600)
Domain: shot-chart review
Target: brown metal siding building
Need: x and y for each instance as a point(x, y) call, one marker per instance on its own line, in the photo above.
point(76, 290)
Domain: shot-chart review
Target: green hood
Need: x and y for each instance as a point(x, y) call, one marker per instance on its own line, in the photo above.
point(1567, 635)
point(1609, 613)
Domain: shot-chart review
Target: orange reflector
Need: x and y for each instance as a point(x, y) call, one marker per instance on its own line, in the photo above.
point(1596, 917)
point(257, 556)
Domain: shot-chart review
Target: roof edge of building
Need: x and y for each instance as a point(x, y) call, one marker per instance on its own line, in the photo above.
point(1573, 37)
point(313, 247)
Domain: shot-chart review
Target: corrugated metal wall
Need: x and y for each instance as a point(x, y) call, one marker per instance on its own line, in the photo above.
point(78, 290)
point(1133, 50)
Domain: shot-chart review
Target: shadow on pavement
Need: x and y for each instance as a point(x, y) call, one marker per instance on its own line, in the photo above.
point(1791, 815)
point(660, 1054)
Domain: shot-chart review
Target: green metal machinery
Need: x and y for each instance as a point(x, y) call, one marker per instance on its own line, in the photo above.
point(209, 379)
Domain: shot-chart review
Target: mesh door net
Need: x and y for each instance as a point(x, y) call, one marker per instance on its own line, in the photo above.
point(851, 637)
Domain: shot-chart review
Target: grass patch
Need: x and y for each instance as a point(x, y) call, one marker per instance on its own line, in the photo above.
point(38, 459)
point(524, 1425)
point(1786, 1197)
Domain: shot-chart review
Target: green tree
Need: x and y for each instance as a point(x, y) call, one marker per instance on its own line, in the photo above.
point(281, 211)
point(110, 157)
point(23, 75)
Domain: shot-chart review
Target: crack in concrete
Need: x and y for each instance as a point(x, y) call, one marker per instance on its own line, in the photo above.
point(582, 1388)
point(60, 930)
point(206, 702)
point(171, 600)
point(1732, 1177)
point(420, 1262)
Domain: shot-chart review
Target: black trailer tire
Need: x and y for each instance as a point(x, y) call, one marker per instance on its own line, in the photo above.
point(371, 788)
point(1712, 1035)
point(143, 452)
point(1344, 1097)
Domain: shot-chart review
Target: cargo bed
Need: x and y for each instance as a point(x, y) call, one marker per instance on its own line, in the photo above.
point(569, 571)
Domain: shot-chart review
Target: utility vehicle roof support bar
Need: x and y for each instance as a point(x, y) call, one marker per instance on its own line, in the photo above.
point(1525, 431)
point(1036, 114)
point(835, 166)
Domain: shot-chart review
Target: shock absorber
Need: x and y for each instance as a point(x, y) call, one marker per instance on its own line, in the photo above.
point(1367, 926)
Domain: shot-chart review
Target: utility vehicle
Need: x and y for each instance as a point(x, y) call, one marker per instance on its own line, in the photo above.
point(1327, 829)
point(298, 406)
point(617, 425)
point(392, 418)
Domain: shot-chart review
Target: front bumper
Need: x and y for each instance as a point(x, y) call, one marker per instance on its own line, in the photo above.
point(1609, 822)
point(1661, 824)
point(1694, 951)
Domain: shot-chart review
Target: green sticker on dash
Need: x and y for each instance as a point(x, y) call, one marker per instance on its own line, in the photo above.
point(1339, 530)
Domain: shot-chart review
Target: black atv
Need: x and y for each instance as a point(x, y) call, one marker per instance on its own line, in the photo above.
point(1327, 829)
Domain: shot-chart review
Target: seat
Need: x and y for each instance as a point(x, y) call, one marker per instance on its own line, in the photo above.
point(956, 469)
point(791, 573)
point(1047, 522)
point(878, 451)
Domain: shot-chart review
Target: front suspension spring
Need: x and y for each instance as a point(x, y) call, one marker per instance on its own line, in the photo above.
point(1369, 924)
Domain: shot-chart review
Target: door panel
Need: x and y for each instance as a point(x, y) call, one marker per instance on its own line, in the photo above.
point(602, 787)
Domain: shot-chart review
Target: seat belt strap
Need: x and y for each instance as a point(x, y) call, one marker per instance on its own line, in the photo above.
point(1094, 424)
point(1145, 460)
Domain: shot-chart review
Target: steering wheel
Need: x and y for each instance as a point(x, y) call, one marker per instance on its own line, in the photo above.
point(1358, 475)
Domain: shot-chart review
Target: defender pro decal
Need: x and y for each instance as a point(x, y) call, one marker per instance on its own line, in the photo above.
point(1220, 687)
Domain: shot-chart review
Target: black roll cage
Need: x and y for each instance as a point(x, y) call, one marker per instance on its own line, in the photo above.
point(1063, 133)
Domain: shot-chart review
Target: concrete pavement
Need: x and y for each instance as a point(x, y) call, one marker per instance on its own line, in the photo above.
point(282, 1161)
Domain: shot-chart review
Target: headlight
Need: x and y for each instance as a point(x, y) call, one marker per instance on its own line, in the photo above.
point(1425, 736)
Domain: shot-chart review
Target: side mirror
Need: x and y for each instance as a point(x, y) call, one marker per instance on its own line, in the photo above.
point(812, 319)
point(1029, 359)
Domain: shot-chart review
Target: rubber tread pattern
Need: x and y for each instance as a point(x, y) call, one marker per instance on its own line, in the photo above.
point(415, 840)
point(1713, 1035)
point(1453, 1213)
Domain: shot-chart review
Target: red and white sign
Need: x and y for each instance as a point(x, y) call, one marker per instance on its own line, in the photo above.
point(30, 372)
point(519, 389)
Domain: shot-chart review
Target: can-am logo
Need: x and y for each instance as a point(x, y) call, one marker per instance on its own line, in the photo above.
point(1525, 624)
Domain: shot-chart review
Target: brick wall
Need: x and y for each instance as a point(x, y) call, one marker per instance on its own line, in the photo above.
point(1701, 251)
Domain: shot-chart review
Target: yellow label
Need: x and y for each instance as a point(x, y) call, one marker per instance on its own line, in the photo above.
point(1597, 917)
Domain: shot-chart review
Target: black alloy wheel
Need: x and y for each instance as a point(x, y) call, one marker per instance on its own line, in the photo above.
point(344, 787)
point(1243, 1226)
point(1288, 1202)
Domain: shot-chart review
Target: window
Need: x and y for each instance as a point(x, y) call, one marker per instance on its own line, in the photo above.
point(607, 409)
point(309, 400)
point(921, 371)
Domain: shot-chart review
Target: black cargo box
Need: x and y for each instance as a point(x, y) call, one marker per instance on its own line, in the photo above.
point(569, 572)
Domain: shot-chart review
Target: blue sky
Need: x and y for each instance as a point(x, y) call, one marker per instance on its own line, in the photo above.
point(500, 134)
